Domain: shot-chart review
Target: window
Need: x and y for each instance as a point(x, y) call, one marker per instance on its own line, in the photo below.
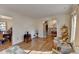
point(2, 26)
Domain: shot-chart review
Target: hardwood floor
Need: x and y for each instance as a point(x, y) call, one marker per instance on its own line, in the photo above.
point(5, 45)
point(38, 44)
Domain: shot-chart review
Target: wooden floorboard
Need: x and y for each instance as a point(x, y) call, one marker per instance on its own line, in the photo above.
point(5, 45)
point(38, 44)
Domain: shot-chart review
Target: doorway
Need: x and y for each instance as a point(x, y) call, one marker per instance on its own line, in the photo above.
point(50, 28)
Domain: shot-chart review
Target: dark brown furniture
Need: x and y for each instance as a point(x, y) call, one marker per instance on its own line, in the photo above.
point(27, 38)
point(7, 37)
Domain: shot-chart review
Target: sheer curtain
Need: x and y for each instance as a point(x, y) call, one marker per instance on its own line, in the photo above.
point(73, 27)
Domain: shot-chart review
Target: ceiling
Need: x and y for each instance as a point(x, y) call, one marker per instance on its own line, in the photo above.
point(36, 10)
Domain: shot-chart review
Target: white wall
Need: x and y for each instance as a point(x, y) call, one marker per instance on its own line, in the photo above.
point(21, 25)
